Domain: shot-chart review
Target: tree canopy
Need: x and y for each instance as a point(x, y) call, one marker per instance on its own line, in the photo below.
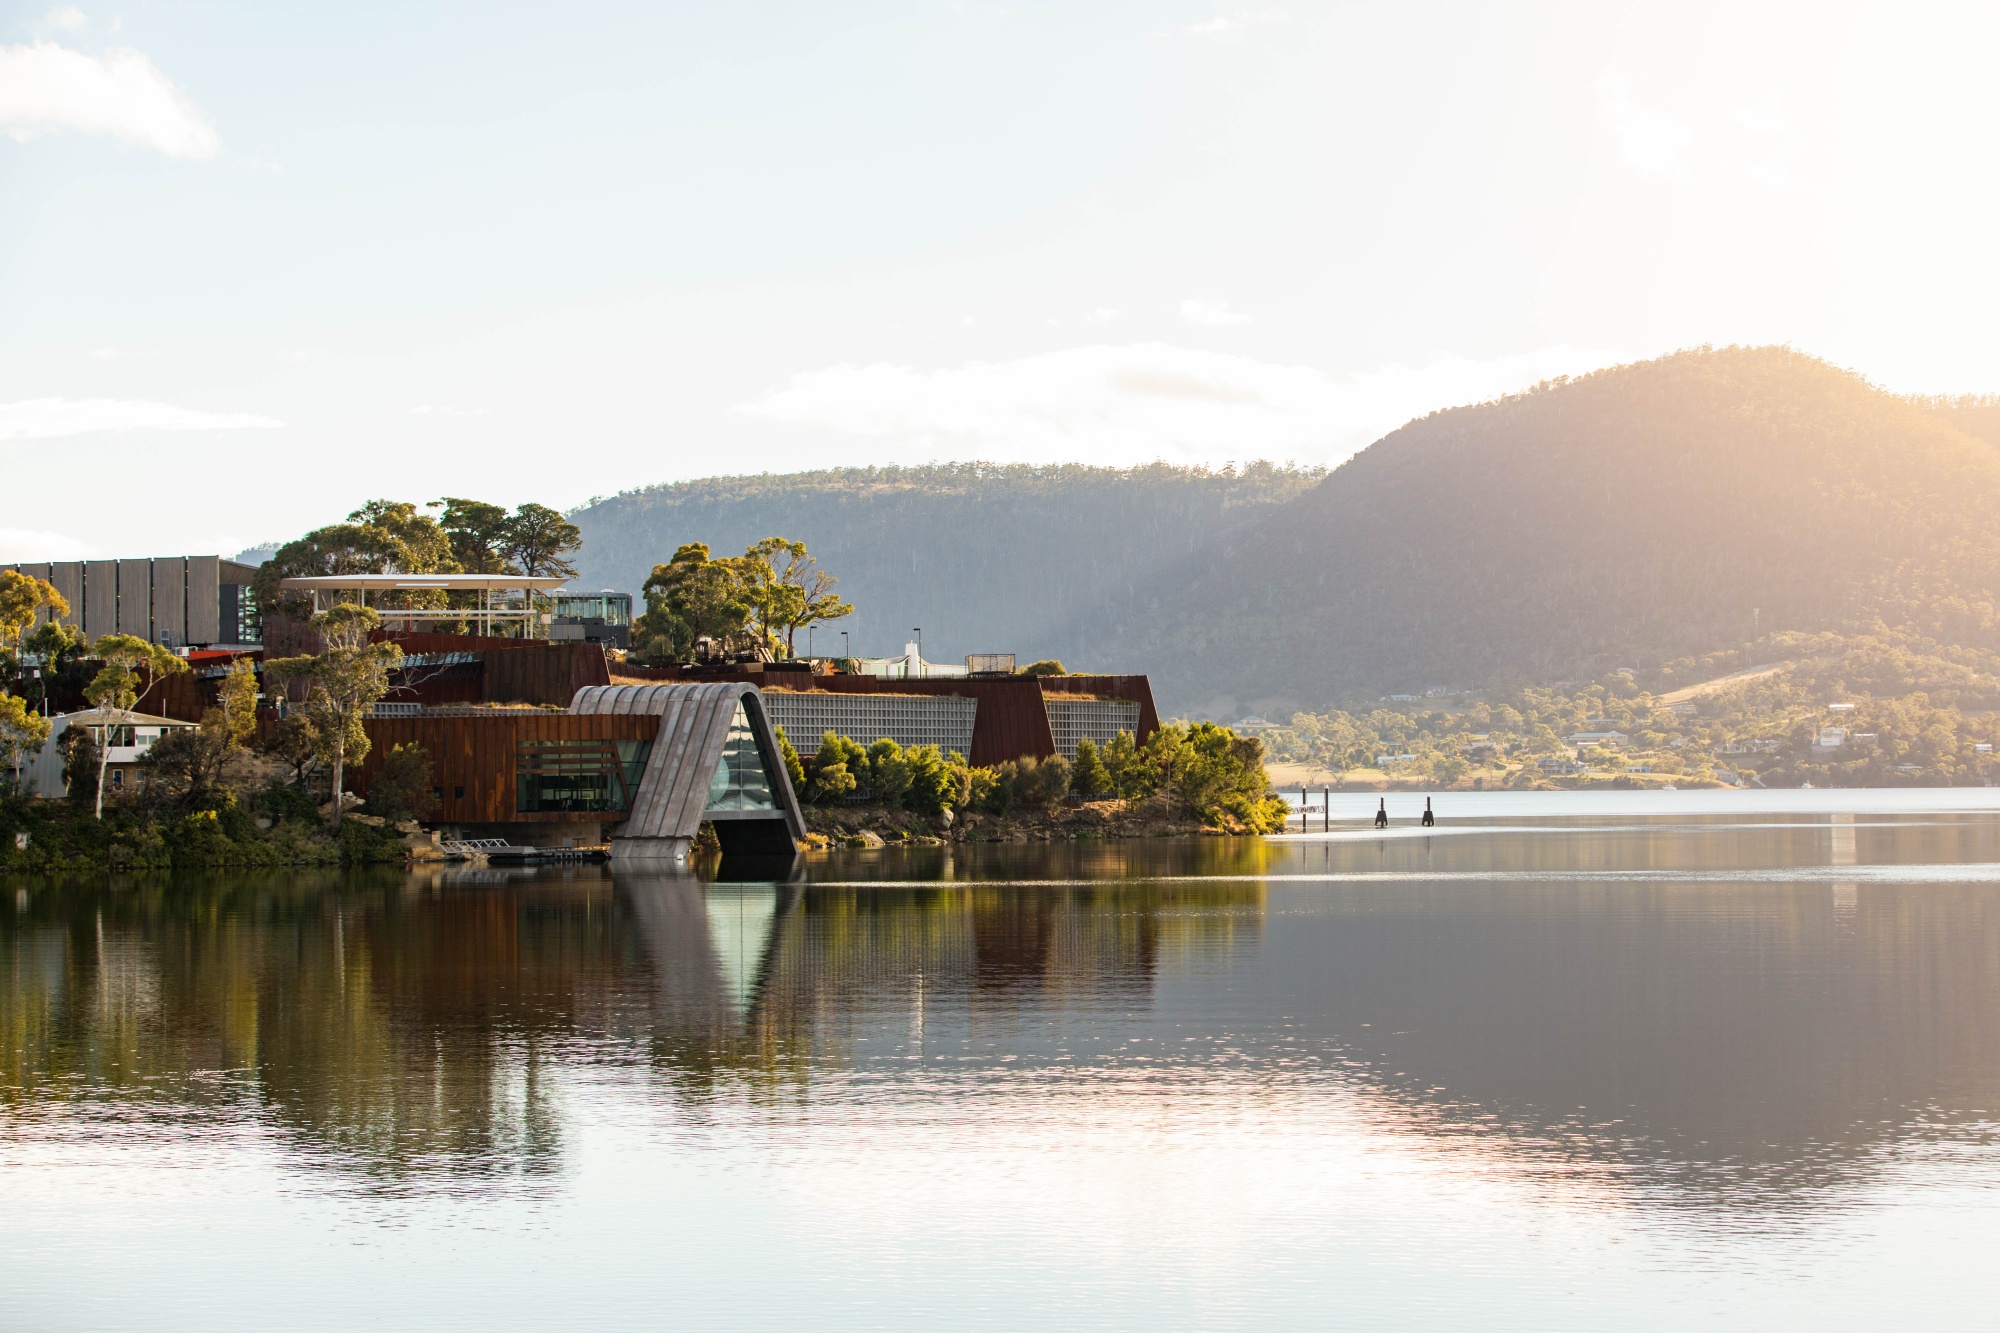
point(339, 684)
point(757, 601)
point(390, 536)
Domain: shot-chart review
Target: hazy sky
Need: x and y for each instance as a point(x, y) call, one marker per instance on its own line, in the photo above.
point(261, 262)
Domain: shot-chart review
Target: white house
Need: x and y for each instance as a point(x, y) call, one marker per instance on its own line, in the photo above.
point(131, 735)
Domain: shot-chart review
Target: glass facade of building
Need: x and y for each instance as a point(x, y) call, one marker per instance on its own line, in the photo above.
point(613, 608)
point(741, 781)
point(571, 776)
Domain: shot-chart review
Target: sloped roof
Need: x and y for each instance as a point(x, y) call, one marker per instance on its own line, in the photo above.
point(694, 724)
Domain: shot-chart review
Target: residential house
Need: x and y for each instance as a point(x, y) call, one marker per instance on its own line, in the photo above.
point(130, 735)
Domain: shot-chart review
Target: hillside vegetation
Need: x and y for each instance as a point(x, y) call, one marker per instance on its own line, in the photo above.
point(1627, 518)
point(986, 558)
point(1837, 711)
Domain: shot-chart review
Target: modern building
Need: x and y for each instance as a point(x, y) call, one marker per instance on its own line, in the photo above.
point(505, 603)
point(642, 765)
point(177, 601)
point(1012, 717)
point(601, 617)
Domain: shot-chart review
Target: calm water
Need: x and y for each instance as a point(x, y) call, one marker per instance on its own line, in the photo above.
point(1563, 1065)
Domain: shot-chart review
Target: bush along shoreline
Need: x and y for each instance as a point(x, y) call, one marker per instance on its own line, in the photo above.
point(202, 801)
point(1187, 779)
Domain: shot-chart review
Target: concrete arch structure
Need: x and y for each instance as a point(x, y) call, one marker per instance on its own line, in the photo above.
point(715, 758)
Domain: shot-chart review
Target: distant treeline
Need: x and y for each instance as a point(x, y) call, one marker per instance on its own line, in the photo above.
point(984, 557)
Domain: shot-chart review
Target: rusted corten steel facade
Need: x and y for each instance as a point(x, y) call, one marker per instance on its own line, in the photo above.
point(1011, 722)
point(497, 671)
point(474, 759)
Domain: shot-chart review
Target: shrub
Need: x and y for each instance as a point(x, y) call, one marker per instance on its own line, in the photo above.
point(80, 769)
point(1131, 777)
point(889, 772)
point(185, 765)
point(937, 783)
point(401, 787)
point(795, 768)
point(1088, 776)
point(838, 768)
point(1027, 782)
point(1046, 667)
point(1214, 772)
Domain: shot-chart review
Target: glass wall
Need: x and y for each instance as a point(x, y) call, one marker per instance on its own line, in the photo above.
point(613, 608)
point(581, 776)
point(741, 782)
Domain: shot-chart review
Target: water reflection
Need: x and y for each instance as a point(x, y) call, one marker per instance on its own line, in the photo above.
point(1544, 995)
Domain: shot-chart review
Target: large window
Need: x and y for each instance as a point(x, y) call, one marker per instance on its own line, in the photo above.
point(741, 781)
point(613, 608)
point(565, 776)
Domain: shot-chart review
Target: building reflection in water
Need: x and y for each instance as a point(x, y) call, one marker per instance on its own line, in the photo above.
point(407, 1026)
point(1586, 999)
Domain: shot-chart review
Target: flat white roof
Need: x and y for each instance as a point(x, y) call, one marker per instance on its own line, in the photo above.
point(394, 582)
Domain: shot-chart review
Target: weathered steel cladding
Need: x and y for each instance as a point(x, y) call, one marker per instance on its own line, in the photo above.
point(543, 673)
point(1011, 722)
point(472, 758)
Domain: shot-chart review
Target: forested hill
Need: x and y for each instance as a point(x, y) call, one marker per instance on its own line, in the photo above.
point(1628, 517)
point(986, 558)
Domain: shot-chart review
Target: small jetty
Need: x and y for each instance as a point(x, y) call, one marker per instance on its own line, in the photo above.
point(498, 851)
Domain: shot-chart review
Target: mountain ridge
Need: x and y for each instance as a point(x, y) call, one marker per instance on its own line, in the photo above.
point(1641, 512)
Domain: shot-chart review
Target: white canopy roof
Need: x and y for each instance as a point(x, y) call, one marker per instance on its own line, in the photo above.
point(399, 582)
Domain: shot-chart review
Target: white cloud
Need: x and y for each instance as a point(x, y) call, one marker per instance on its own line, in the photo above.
point(1211, 314)
point(447, 410)
point(45, 88)
point(1123, 405)
point(67, 18)
point(1649, 140)
point(26, 544)
point(1234, 25)
point(47, 418)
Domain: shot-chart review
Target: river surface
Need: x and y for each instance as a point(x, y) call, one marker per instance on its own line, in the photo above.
point(1623, 1064)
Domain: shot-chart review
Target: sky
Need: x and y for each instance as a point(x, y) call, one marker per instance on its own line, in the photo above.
point(260, 263)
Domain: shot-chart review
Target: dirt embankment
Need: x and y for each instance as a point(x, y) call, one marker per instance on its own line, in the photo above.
point(874, 826)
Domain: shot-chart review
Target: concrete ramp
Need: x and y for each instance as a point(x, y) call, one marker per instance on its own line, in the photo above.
point(714, 759)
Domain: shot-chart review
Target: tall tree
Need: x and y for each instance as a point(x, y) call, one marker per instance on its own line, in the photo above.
point(477, 532)
point(22, 598)
point(132, 667)
point(381, 537)
point(236, 718)
point(341, 683)
point(790, 591)
point(537, 541)
point(693, 597)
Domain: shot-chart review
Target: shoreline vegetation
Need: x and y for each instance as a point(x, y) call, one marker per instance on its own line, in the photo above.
point(1188, 778)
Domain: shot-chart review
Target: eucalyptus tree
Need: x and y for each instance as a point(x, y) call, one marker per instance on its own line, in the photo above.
point(340, 683)
point(132, 667)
